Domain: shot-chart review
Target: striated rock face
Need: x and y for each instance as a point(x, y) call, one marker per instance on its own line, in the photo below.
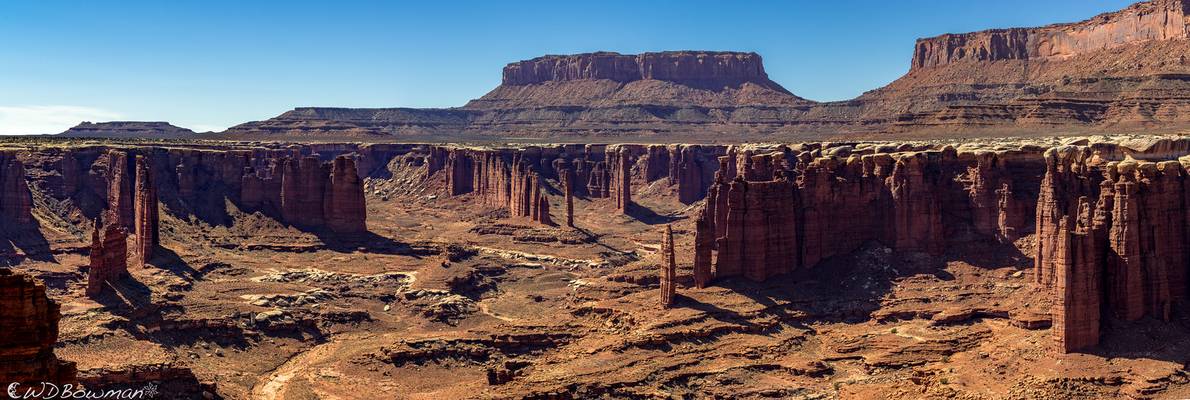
point(30, 322)
point(147, 218)
point(786, 208)
point(345, 210)
point(303, 188)
point(509, 177)
point(120, 179)
point(621, 177)
point(1145, 21)
point(16, 201)
point(669, 269)
point(1111, 237)
point(109, 255)
point(702, 69)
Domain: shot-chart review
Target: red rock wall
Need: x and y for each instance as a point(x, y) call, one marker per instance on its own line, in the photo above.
point(722, 68)
point(120, 178)
point(1119, 223)
point(146, 220)
point(1155, 20)
point(345, 208)
point(30, 322)
point(16, 201)
point(787, 209)
point(669, 269)
point(109, 254)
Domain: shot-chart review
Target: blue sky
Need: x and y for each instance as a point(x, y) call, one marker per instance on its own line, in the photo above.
point(212, 64)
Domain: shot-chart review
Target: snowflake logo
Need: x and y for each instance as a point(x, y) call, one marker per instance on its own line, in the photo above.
point(150, 391)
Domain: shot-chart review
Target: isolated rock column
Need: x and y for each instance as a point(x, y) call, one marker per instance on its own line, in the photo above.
point(568, 191)
point(119, 189)
point(623, 182)
point(703, 245)
point(109, 254)
point(147, 220)
point(668, 268)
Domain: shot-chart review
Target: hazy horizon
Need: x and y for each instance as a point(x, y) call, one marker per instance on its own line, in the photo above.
point(213, 65)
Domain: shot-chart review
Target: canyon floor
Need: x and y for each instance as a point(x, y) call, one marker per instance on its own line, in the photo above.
point(448, 298)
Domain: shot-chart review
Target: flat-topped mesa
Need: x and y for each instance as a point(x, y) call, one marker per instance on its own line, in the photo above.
point(1153, 20)
point(30, 323)
point(704, 69)
point(128, 129)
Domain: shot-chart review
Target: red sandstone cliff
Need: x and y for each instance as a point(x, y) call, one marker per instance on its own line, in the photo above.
point(1145, 21)
point(30, 322)
point(147, 220)
point(790, 209)
point(109, 255)
point(1111, 236)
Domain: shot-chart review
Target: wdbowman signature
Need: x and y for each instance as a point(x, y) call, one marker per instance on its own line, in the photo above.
point(68, 391)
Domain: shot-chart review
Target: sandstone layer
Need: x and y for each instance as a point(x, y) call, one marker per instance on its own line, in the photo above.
point(30, 322)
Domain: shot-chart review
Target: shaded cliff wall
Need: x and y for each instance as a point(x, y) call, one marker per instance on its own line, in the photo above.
point(30, 322)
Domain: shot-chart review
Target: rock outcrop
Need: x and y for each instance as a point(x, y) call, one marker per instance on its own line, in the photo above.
point(669, 269)
point(345, 210)
point(704, 242)
point(1145, 21)
point(621, 177)
point(771, 211)
point(1111, 236)
point(568, 193)
point(30, 322)
point(147, 220)
point(16, 201)
point(120, 179)
point(109, 255)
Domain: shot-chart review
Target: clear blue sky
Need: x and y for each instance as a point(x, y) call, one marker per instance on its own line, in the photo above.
point(213, 64)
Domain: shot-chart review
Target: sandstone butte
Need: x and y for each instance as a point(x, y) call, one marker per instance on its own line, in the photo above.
point(1117, 71)
point(1107, 215)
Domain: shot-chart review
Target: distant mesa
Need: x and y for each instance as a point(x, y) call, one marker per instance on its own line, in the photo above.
point(128, 129)
point(1125, 70)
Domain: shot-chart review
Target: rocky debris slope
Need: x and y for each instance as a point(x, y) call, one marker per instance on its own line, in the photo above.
point(30, 322)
